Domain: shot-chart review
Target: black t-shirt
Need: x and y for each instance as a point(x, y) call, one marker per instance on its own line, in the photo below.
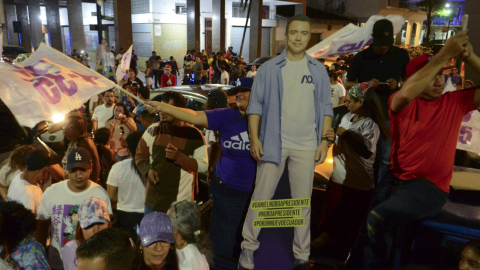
point(367, 65)
point(161, 65)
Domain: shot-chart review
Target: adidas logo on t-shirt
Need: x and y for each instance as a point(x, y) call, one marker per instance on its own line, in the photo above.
point(238, 143)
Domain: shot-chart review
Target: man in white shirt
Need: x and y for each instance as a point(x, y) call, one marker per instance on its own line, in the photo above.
point(24, 187)
point(105, 111)
point(338, 91)
point(60, 202)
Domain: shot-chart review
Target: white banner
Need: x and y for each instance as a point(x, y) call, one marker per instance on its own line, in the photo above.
point(124, 66)
point(469, 137)
point(48, 83)
point(352, 38)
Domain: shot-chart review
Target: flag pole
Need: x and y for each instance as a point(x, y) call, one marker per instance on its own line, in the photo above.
point(117, 87)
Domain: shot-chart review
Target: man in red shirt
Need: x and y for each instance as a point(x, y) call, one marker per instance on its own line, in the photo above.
point(424, 127)
point(168, 79)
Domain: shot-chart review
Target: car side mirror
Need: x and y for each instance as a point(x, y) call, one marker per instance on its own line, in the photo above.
point(30, 138)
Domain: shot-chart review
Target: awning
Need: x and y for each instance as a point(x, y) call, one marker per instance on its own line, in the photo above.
point(409, 14)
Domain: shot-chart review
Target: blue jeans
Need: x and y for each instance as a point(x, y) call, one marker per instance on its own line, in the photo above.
point(129, 221)
point(228, 214)
point(384, 148)
point(394, 202)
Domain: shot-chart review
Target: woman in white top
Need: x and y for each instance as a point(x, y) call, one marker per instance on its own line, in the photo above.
point(252, 72)
point(351, 187)
point(12, 167)
point(225, 78)
point(121, 125)
point(126, 186)
point(191, 243)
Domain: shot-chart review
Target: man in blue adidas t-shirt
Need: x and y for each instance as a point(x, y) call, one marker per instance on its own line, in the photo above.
point(232, 181)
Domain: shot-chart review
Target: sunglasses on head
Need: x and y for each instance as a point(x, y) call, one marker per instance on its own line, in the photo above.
point(212, 96)
point(174, 204)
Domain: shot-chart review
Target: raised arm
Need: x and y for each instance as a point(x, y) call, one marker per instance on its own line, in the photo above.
point(197, 118)
point(55, 127)
point(473, 61)
point(417, 83)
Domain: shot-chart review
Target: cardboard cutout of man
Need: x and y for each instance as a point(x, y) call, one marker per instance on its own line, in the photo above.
point(289, 110)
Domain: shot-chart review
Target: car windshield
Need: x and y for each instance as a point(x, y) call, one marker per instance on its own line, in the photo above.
point(8, 50)
point(20, 50)
point(261, 59)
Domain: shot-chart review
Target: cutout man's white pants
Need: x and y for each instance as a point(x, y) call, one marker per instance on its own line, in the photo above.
point(301, 166)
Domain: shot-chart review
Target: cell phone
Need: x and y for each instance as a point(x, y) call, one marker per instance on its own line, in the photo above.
point(464, 22)
point(383, 83)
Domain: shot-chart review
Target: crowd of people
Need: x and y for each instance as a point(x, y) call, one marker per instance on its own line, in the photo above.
point(123, 196)
point(198, 67)
point(218, 67)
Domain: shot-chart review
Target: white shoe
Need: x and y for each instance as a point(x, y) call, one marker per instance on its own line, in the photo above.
point(246, 258)
point(301, 264)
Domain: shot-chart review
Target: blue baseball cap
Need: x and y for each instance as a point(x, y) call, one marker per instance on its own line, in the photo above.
point(242, 84)
point(155, 227)
point(79, 158)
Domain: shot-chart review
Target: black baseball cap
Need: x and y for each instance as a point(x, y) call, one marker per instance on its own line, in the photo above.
point(38, 159)
point(79, 158)
point(383, 33)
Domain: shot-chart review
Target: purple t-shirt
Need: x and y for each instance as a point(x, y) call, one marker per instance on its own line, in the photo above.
point(236, 167)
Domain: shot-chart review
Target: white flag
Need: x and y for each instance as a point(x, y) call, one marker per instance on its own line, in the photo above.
point(469, 137)
point(46, 84)
point(124, 66)
point(352, 38)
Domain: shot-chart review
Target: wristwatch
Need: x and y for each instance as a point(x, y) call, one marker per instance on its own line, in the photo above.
point(326, 139)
